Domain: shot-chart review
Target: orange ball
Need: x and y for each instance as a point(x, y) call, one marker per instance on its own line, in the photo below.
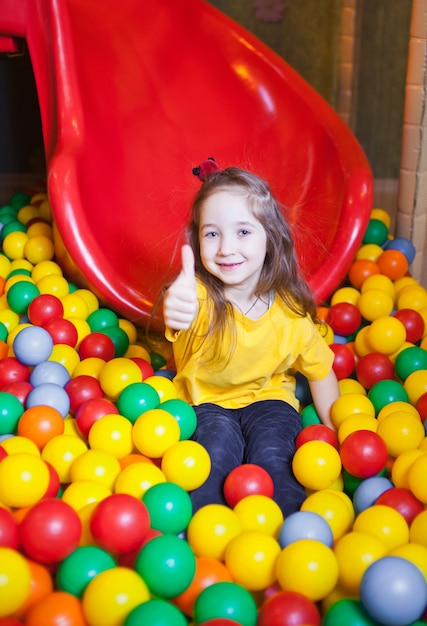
point(58, 607)
point(360, 270)
point(393, 263)
point(41, 585)
point(40, 424)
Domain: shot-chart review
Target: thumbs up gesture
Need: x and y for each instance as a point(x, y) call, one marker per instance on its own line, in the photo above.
point(180, 304)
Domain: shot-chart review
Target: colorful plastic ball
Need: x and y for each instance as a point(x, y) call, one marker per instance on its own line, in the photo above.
point(137, 398)
point(96, 465)
point(360, 421)
point(288, 608)
point(97, 345)
point(335, 507)
point(413, 323)
point(186, 463)
point(121, 590)
point(403, 501)
point(305, 525)
point(259, 513)
point(137, 478)
point(245, 480)
point(386, 335)
point(144, 365)
point(402, 465)
point(386, 391)
point(50, 531)
point(80, 493)
point(405, 246)
point(393, 263)
point(15, 581)
point(154, 432)
point(24, 479)
point(184, 414)
point(14, 444)
point(49, 372)
point(412, 297)
point(112, 433)
point(11, 410)
point(360, 270)
point(421, 406)
point(169, 507)
point(416, 385)
point(344, 361)
point(344, 318)
point(119, 338)
point(251, 559)
point(40, 424)
point(92, 410)
point(82, 388)
point(309, 416)
point(211, 529)
point(167, 564)
point(400, 432)
point(383, 522)
point(43, 308)
point(363, 453)
point(57, 607)
point(117, 374)
point(164, 387)
point(316, 464)
point(208, 572)
point(355, 552)
point(226, 600)
point(102, 318)
point(373, 367)
point(32, 345)
point(376, 232)
point(62, 331)
point(8, 530)
point(61, 451)
point(348, 611)
point(50, 394)
point(317, 432)
point(369, 490)
point(406, 596)
point(308, 567)
point(375, 303)
point(41, 585)
point(77, 570)
point(155, 611)
point(409, 361)
point(11, 371)
point(20, 295)
point(350, 404)
point(416, 478)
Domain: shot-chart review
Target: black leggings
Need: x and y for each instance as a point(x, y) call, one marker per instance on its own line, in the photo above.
point(262, 433)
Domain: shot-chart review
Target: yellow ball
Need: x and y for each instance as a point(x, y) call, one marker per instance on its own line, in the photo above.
point(417, 478)
point(27, 213)
point(418, 530)
point(60, 452)
point(89, 297)
point(24, 479)
point(82, 328)
point(397, 407)
point(164, 387)
point(414, 552)
point(345, 294)
point(14, 245)
point(355, 552)
point(383, 216)
point(416, 385)
point(412, 297)
point(112, 433)
point(80, 493)
point(381, 282)
point(154, 432)
point(137, 478)
point(96, 465)
point(18, 444)
point(402, 465)
point(17, 278)
point(53, 284)
point(39, 248)
point(4, 266)
point(385, 523)
point(186, 463)
point(335, 507)
point(375, 303)
point(308, 567)
point(349, 385)
point(130, 330)
point(259, 513)
point(137, 351)
point(89, 367)
point(211, 529)
point(370, 252)
point(15, 581)
point(74, 306)
point(118, 374)
point(386, 335)
point(316, 464)
point(45, 268)
point(400, 432)
point(121, 590)
point(361, 344)
point(351, 404)
point(9, 318)
point(40, 229)
point(66, 355)
point(251, 559)
point(359, 421)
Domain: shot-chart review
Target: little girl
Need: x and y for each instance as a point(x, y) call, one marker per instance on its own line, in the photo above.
point(240, 317)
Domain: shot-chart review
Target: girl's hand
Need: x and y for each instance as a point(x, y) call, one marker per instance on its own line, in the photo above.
point(180, 304)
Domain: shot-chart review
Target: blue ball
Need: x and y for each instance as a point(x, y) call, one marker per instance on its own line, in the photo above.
point(32, 345)
point(369, 490)
point(404, 246)
point(393, 591)
point(52, 395)
point(305, 525)
point(49, 372)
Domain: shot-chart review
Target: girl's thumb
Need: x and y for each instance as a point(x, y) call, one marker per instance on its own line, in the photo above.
point(187, 257)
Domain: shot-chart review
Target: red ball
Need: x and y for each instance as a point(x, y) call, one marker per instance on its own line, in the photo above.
point(97, 345)
point(421, 407)
point(82, 388)
point(317, 432)
point(246, 480)
point(413, 323)
point(374, 367)
point(50, 531)
point(54, 482)
point(146, 368)
point(344, 318)
point(62, 331)
point(19, 390)
point(344, 361)
point(288, 608)
point(119, 523)
point(9, 536)
point(12, 371)
point(363, 454)
point(218, 621)
point(44, 308)
point(403, 501)
point(92, 410)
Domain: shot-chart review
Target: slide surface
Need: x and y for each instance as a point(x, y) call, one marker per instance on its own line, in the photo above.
point(133, 95)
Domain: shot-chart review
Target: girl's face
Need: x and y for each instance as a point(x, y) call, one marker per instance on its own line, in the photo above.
point(233, 243)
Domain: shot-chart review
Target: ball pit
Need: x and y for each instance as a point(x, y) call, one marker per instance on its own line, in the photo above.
point(97, 462)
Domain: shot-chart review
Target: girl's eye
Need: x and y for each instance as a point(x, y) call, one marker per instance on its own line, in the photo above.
point(244, 232)
point(211, 234)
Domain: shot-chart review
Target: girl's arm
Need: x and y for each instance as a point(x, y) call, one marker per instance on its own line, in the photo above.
point(324, 393)
point(180, 304)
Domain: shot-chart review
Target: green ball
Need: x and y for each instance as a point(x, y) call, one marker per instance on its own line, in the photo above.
point(3, 332)
point(184, 414)
point(8, 210)
point(77, 570)
point(20, 296)
point(349, 612)
point(13, 227)
point(169, 506)
point(137, 398)
point(11, 410)
point(167, 565)
point(386, 391)
point(101, 319)
point(376, 232)
point(119, 338)
point(155, 612)
point(157, 361)
point(410, 360)
point(226, 600)
point(309, 416)
point(20, 199)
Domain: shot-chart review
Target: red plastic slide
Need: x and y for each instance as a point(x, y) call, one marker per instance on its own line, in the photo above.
point(133, 95)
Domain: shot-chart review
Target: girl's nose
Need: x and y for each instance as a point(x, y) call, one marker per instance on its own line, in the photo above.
point(226, 246)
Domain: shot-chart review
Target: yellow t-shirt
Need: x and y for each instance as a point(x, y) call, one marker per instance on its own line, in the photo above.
point(267, 353)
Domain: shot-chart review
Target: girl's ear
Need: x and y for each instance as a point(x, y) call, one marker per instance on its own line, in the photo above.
point(206, 168)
